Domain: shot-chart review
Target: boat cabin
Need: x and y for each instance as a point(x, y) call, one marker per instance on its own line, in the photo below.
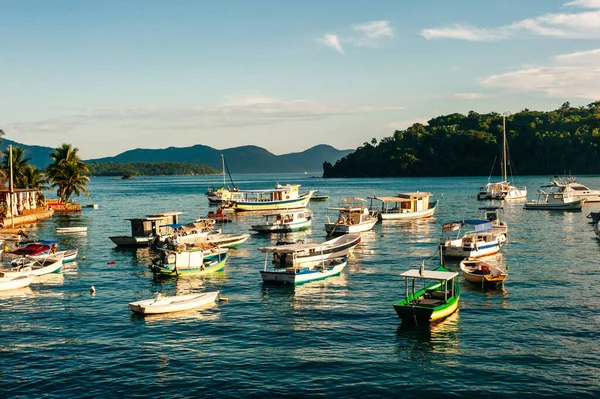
point(404, 202)
point(351, 211)
point(287, 217)
point(150, 225)
point(279, 193)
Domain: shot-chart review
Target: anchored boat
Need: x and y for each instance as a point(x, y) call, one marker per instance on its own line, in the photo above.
point(480, 241)
point(197, 261)
point(285, 222)
point(431, 303)
point(405, 206)
point(480, 272)
point(280, 197)
point(557, 201)
point(304, 272)
point(353, 217)
point(167, 304)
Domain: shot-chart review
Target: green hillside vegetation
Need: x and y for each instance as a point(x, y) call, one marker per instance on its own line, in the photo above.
point(147, 169)
point(566, 139)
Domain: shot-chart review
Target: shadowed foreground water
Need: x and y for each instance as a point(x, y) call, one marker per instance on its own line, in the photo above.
point(340, 337)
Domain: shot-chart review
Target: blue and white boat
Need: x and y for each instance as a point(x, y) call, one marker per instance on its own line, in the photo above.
point(285, 222)
point(304, 272)
point(480, 241)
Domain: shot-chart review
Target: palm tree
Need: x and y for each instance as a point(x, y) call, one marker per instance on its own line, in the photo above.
point(68, 173)
point(35, 179)
point(19, 165)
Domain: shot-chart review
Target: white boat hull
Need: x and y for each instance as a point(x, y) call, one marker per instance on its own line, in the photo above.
point(15, 282)
point(301, 275)
point(174, 303)
point(282, 228)
point(458, 249)
point(334, 228)
point(71, 230)
point(408, 215)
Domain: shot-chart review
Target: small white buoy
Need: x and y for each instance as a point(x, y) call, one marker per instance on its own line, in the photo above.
point(83, 258)
point(92, 290)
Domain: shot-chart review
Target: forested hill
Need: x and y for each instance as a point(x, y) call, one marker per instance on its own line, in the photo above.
point(147, 169)
point(566, 139)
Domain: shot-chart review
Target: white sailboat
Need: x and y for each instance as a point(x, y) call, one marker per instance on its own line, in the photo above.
point(502, 190)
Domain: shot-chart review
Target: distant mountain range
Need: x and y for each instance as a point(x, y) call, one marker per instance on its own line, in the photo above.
point(40, 156)
point(245, 159)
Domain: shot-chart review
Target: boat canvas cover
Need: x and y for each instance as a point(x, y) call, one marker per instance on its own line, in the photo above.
point(429, 274)
point(480, 226)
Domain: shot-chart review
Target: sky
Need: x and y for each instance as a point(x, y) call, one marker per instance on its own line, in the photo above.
point(109, 76)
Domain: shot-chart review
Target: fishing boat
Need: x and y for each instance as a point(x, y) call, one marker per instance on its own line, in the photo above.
point(167, 304)
point(480, 272)
point(71, 230)
point(432, 303)
point(303, 272)
point(189, 262)
point(568, 184)
point(405, 206)
point(481, 241)
point(15, 282)
point(177, 233)
point(494, 215)
point(295, 253)
point(318, 198)
point(278, 198)
point(144, 230)
point(68, 255)
point(34, 249)
point(502, 190)
point(557, 201)
point(285, 222)
point(37, 266)
point(353, 217)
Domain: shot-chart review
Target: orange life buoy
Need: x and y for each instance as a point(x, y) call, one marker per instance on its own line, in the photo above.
point(287, 197)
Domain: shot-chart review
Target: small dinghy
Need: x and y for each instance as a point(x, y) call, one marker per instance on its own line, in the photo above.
point(480, 272)
point(71, 230)
point(167, 304)
point(15, 282)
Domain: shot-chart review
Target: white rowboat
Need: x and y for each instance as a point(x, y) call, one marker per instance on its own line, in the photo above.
point(165, 304)
point(13, 283)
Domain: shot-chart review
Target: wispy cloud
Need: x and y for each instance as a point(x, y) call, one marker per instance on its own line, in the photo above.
point(375, 29)
point(577, 25)
point(470, 96)
point(584, 3)
point(233, 111)
point(332, 41)
point(463, 32)
point(366, 34)
point(570, 77)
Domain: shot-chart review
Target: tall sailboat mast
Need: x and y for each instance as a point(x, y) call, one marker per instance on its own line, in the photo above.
point(504, 174)
point(11, 189)
point(223, 165)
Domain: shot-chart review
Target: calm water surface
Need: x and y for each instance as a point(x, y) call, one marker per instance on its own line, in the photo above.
point(339, 337)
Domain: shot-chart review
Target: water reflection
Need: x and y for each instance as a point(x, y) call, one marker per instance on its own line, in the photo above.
point(419, 342)
point(18, 293)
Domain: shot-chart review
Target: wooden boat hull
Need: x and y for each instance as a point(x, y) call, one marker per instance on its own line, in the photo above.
point(409, 215)
point(334, 228)
point(410, 312)
point(245, 206)
point(301, 275)
point(211, 264)
point(474, 271)
point(13, 283)
point(174, 304)
point(283, 228)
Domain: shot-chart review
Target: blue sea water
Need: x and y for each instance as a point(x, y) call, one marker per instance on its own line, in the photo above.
point(339, 337)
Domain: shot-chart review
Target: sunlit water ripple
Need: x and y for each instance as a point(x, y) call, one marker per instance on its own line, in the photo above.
point(538, 336)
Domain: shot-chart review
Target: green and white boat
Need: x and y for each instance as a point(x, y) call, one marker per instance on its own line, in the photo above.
point(285, 222)
point(197, 261)
point(432, 303)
